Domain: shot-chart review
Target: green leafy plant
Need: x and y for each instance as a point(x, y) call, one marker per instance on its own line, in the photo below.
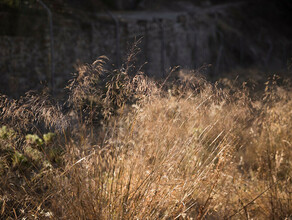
point(6, 133)
point(49, 137)
point(34, 139)
point(18, 159)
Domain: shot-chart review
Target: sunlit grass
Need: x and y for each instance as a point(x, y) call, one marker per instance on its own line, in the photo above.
point(125, 147)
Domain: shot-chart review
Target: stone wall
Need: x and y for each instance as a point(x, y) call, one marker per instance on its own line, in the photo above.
point(189, 39)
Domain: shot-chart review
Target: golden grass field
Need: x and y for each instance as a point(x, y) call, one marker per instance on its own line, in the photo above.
point(125, 147)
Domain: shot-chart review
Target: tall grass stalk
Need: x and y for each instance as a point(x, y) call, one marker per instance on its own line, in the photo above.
point(126, 147)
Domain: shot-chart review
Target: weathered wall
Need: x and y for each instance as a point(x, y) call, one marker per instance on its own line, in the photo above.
point(189, 39)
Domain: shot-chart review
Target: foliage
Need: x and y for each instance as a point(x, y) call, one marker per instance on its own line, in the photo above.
point(6, 133)
point(49, 137)
point(125, 147)
point(34, 139)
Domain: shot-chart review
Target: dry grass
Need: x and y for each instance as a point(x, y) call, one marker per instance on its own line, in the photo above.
point(128, 148)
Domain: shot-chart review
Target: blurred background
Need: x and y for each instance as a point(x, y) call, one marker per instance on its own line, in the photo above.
point(42, 41)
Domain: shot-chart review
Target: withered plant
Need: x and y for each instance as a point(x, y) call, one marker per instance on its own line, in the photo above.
point(126, 147)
